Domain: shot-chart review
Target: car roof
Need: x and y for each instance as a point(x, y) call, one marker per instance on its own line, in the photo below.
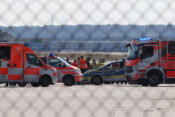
point(115, 61)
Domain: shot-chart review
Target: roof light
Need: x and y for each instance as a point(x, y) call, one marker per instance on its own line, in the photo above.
point(51, 55)
point(144, 39)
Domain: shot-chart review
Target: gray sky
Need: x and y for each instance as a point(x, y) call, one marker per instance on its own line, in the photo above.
point(73, 12)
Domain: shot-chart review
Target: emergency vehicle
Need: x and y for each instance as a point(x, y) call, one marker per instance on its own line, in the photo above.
point(109, 73)
point(67, 73)
point(19, 64)
point(150, 62)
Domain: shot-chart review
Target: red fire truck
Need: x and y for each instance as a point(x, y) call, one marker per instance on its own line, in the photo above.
point(67, 73)
point(19, 64)
point(150, 62)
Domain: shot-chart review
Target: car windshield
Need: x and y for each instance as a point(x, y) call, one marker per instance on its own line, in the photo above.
point(57, 62)
point(133, 52)
point(66, 63)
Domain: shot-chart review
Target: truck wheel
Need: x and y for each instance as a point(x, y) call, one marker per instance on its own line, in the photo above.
point(153, 79)
point(44, 81)
point(22, 84)
point(96, 80)
point(12, 84)
point(68, 81)
point(35, 84)
point(144, 83)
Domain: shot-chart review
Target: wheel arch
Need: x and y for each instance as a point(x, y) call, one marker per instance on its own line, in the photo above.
point(96, 75)
point(46, 76)
point(159, 72)
point(67, 75)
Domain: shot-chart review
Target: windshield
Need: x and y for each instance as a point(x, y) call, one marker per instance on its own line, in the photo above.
point(133, 52)
point(57, 62)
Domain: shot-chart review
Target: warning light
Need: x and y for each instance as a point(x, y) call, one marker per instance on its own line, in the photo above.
point(144, 39)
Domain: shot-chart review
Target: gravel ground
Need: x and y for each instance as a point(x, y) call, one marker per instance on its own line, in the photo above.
point(88, 101)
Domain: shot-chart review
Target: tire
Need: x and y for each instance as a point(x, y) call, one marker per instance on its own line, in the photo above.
point(107, 82)
point(144, 83)
point(35, 84)
point(45, 81)
point(153, 79)
point(68, 81)
point(22, 84)
point(96, 80)
point(12, 84)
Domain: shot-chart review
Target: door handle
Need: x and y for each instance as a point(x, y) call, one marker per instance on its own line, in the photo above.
point(14, 65)
point(8, 65)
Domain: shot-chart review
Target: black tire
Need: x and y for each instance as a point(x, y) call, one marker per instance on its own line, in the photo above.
point(68, 81)
point(35, 84)
point(97, 80)
point(144, 83)
point(45, 81)
point(22, 84)
point(12, 84)
point(107, 82)
point(153, 79)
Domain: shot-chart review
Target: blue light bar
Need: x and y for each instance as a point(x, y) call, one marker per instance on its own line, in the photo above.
point(144, 39)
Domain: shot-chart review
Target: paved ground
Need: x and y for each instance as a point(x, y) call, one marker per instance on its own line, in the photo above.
point(88, 101)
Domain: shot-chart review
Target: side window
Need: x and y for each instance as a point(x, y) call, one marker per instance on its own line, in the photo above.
point(5, 52)
point(115, 65)
point(147, 51)
point(171, 49)
point(54, 62)
point(107, 67)
point(122, 65)
point(32, 59)
point(164, 51)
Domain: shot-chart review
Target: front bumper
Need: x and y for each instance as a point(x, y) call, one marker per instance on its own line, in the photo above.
point(78, 78)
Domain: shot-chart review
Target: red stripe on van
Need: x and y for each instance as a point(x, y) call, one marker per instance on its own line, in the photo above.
point(4, 71)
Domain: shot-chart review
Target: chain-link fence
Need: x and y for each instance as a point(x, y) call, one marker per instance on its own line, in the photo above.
point(99, 29)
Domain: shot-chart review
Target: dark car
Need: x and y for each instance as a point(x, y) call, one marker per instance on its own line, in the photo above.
point(109, 73)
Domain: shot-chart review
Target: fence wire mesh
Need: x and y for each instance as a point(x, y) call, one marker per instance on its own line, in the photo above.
point(99, 29)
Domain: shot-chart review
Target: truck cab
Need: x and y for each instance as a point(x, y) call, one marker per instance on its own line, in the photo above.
point(150, 62)
point(19, 64)
point(143, 62)
point(67, 73)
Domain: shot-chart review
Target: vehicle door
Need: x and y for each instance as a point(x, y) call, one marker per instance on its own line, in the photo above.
point(16, 64)
point(117, 72)
point(148, 56)
point(32, 68)
point(60, 66)
point(5, 58)
point(106, 72)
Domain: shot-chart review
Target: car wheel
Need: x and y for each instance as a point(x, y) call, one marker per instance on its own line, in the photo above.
point(153, 79)
point(45, 81)
point(35, 84)
point(22, 84)
point(68, 81)
point(96, 80)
